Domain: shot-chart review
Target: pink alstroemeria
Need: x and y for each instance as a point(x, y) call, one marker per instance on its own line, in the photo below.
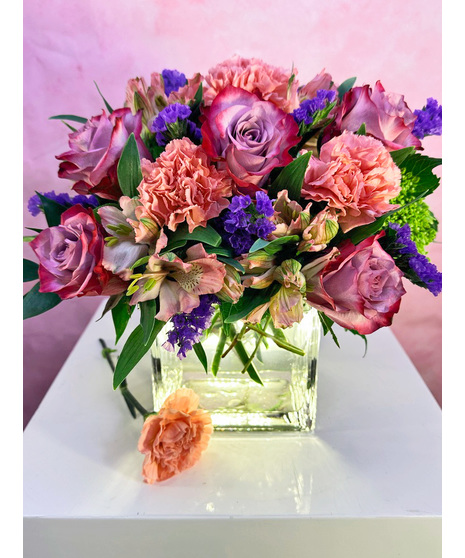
point(129, 238)
point(178, 283)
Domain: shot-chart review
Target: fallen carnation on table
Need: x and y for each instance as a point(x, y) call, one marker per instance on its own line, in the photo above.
point(241, 194)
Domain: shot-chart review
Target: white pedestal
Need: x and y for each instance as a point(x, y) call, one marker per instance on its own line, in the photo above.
point(366, 483)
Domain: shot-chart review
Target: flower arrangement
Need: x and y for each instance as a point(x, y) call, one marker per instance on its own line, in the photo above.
point(243, 195)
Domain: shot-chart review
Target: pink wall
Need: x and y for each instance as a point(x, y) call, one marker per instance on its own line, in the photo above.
point(69, 44)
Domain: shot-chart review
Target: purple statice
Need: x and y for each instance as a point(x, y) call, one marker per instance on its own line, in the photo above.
point(416, 266)
point(429, 120)
point(188, 328)
point(243, 222)
point(34, 204)
point(305, 113)
point(172, 123)
point(173, 80)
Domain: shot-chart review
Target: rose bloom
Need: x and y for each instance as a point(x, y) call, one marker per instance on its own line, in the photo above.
point(385, 115)
point(174, 439)
point(95, 150)
point(251, 135)
point(356, 175)
point(267, 82)
point(359, 289)
point(182, 186)
point(70, 257)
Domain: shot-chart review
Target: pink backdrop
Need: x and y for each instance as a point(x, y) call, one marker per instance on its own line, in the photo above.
point(69, 44)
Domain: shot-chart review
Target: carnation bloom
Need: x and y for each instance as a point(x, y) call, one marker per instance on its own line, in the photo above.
point(252, 136)
point(70, 257)
point(360, 288)
point(181, 186)
point(178, 283)
point(386, 116)
point(268, 82)
point(95, 150)
point(356, 175)
point(174, 439)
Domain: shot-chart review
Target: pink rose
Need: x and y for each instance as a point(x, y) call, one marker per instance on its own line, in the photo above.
point(70, 257)
point(385, 115)
point(95, 150)
point(267, 82)
point(356, 176)
point(359, 289)
point(181, 185)
point(251, 135)
point(174, 439)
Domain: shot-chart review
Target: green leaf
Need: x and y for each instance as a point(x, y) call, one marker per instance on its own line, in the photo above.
point(251, 299)
point(109, 109)
point(421, 166)
point(28, 238)
point(129, 173)
point(201, 355)
point(133, 350)
point(399, 155)
point(52, 210)
point(274, 246)
point(364, 337)
point(327, 324)
point(219, 251)
point(362, 131)
point(232, 262)
point(35, 303)
point(72, 128)
point(111, 303)
point(148, 309)
point(30, 270)
point(198, 96)
point(71, 117)
point(207, 235)
point(121, 313)
point(291, 178)
point(345, 86)
point(174, 245)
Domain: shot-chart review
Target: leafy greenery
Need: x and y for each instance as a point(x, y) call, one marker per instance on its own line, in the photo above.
point(291, 178)
point(327, 324)
point(251, 299)
point(121, 314)
point(148, 309)
point(30, 270)
point(207, 234)
point(35, 302)
point(52, 210)
point(109, 109)
point(71, 117)
point(345, 86)
point(129, 173)
point(201, 355)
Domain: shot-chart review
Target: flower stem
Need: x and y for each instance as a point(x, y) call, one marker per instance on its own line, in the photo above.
point(259, 340)
point(219, 351)
point(236, 338)
point(279, 342)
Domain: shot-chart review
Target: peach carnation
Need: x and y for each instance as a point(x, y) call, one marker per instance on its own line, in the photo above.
point(268, 82)
point(181, 186)
point(174, 439)
point(356, 175)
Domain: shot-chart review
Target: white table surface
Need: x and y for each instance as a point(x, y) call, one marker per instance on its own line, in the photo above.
point(367, 482)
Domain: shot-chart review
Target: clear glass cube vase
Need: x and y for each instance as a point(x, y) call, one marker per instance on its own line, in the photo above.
point(284, 401)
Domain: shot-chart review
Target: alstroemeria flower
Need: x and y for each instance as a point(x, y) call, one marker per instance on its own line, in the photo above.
point(287, 305)
point(178, 283)
point(129, 237)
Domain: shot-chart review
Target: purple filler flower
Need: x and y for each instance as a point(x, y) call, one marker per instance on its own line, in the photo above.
point(172, 123)
point(429, 120)
point(188, 328)
point(34, 204)
point(173, 80)
point(427, 273)
point(307, 109)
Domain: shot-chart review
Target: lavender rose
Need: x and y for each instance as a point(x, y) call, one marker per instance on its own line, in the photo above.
point(251, 136)
point(385, 115)
point(95, 150)
point(70, 257)
point(360, 289)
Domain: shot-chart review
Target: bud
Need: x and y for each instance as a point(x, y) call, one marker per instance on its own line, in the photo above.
point(232, 289)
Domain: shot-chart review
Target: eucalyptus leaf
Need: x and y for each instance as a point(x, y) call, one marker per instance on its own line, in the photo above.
point(30, 271)
point(35, 302)
point(133, 350)
point(291, 178)
point(129, 173)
